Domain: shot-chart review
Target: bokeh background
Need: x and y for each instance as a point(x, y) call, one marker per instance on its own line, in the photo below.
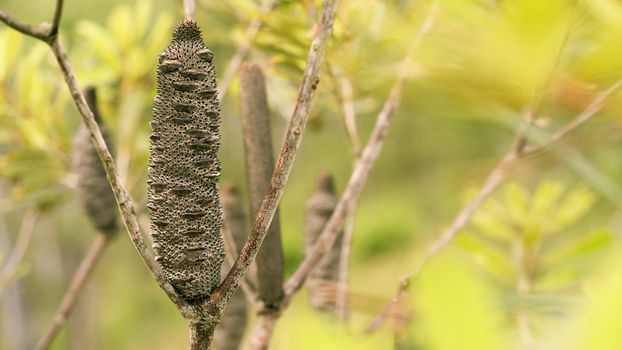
point(556, 222)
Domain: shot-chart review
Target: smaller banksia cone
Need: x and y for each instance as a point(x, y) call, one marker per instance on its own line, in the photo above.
point(255, 118)
point(324, 276)
point(93, 188)
point(230, 330)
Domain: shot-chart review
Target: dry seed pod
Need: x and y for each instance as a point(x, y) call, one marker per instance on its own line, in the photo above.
point(259, 167)
point(93, 188)
point(319, 209)
point(186, 215)
point(230, 331)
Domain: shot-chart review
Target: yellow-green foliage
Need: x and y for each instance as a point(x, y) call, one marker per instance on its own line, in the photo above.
point(455, 308)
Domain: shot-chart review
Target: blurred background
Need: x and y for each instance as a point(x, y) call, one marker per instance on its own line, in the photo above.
point(555, 224)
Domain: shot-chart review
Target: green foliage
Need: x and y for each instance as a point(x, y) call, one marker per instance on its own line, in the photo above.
point(481, 63)
point(529, 243)
point(454, 309)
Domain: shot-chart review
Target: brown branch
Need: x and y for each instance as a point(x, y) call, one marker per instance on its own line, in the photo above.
point(232, 252)
point(262, 332)
point(24, 237)
point(593, 108)
point(518, 152)
point(75, 288)
point(124, 201)
point(16, 332)
point(257, 136)
point(236, 61)
point(201, 334)
point(352, 192)
point(190, 9)
point(58, 14)
point(284, 162)
point(343, 94)
point(39, 31)
point(341, 302)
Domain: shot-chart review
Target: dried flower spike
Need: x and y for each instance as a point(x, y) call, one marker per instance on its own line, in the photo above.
point(323, 278)
point(183, 166)
point(93, 188)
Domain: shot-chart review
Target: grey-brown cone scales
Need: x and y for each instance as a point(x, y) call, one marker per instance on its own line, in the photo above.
point(186, 214)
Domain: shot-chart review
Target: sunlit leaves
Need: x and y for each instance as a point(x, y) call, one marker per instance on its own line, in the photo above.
point(599, 324)
point(526, 240)
point(127, 46)
point(454, 309)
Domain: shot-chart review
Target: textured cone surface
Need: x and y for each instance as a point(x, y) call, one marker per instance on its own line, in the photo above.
point(320, 207)
point(93, 188)
point(186, 215)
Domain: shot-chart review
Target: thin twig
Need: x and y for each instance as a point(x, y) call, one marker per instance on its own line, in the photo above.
point(518, 152)
point(343, 93)
point(15, 333)
point(40, 31)
point(352, 192)
point(236, 61)
point(361, 170)
point(593, 108)
point(232, 251)
point(341, 302)
point(75, 287)
point(523, 288)
point(284, 162)
point(24, 237)
point(124, 201)
point(58, 14)
point(190, 9)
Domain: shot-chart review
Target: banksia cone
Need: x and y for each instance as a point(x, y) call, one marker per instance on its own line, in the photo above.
point(230, 331)
point(93, 188)
point(183, 167)
point(259, 167)
point(323, 278)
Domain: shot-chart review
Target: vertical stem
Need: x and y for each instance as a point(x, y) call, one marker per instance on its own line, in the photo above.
point(523, 288)
point(201, 335)
point(344, 267)
point(189, 10)
point(75, 287)
point(14, 323)
point(262, 332)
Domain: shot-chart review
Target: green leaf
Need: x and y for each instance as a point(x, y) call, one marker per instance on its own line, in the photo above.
point(577, 248)
point(492, 258)
point(573, 207)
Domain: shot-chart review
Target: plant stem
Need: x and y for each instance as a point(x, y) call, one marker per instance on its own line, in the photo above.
point(75, 288)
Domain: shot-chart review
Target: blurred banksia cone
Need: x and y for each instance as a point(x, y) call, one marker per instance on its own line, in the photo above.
point(230, 331)
point(93, 188)
point(255, 118)
point(320, 207)
point(186, 215)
